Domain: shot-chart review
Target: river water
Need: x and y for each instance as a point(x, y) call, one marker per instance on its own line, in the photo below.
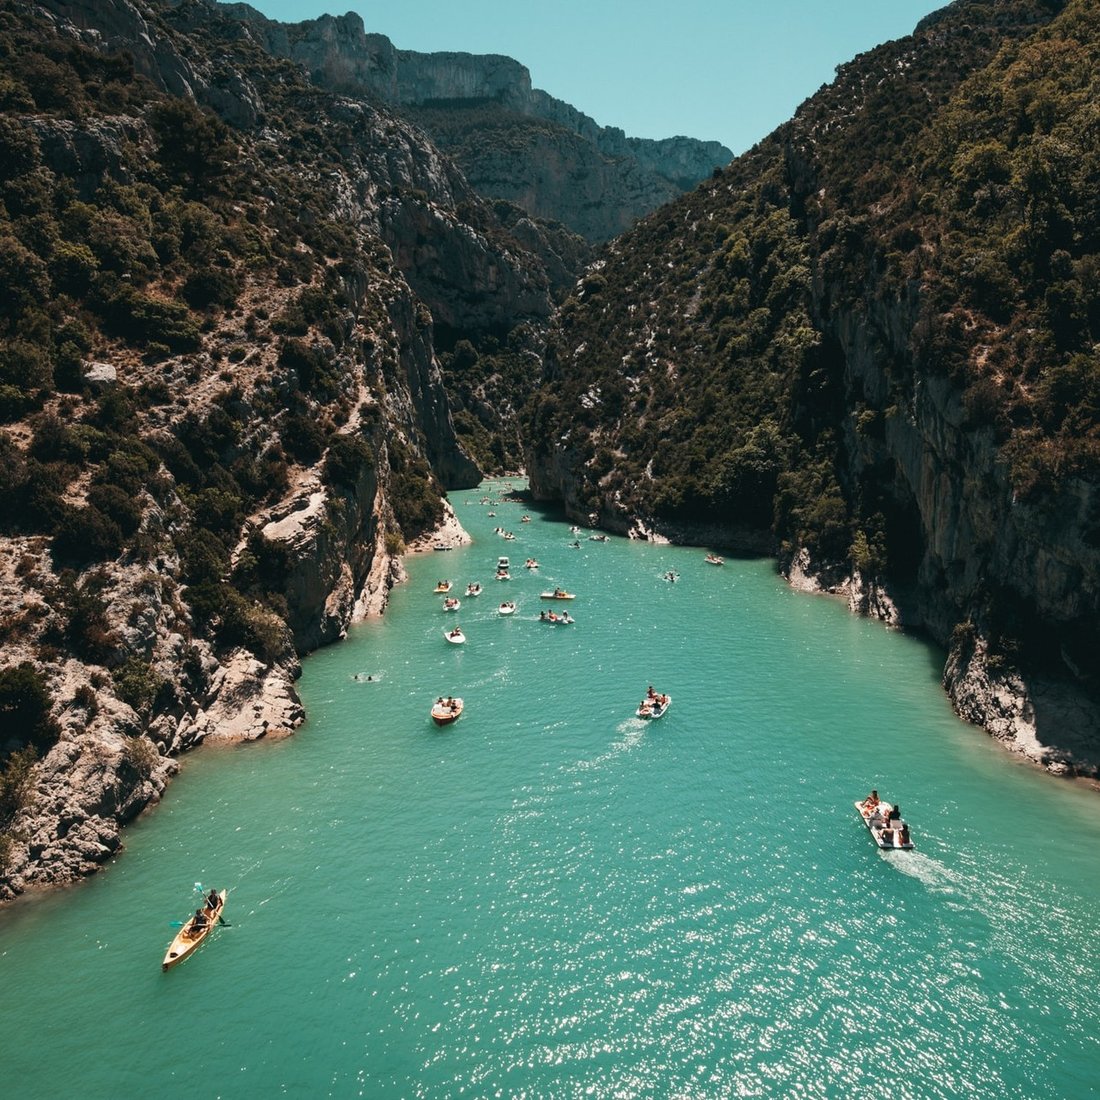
point(554, 898)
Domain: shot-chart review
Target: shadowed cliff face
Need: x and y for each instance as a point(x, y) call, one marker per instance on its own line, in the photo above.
point(872, 340)
point(511, 141)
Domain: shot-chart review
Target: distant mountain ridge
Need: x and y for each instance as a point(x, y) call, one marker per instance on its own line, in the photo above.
point(556, 162)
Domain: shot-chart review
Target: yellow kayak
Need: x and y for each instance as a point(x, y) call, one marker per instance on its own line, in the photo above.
point(189, 937)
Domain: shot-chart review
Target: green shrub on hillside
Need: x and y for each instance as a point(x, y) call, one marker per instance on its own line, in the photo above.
point(25, 704)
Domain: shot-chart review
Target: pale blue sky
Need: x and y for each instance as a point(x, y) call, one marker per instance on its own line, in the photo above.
point(729, 70)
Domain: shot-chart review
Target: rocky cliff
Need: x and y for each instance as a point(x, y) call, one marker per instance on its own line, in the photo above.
point(511, 141)
point(871, 342)
point(222, 412)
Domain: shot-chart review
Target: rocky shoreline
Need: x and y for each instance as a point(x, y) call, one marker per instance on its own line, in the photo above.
point(105, 769)
point(1038, 719)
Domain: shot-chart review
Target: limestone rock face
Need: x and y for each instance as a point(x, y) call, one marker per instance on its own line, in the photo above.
point(425, 252)
point(86, 789)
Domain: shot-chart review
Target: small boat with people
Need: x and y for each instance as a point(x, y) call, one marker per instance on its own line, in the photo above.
point(195, 930)
point(503, 575)
point(446, 710)
point(672, 576)
point(525, 519)
point(530, 563)
point(451, 603)
point(455, 636)
point(654, 704)
point(714, 559)
point(564, 619)
point(507, 608)
point(443, 586)
point(599, 538)
point(473, 589)
point(884, 822)
point(557, 594)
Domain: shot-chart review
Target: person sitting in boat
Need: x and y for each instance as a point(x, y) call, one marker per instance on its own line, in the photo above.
point(903, 834)
point(199, 921)
point(894, 814)
point(213, 901)
point(887, 836)
point(871, 801)
point(650, 693)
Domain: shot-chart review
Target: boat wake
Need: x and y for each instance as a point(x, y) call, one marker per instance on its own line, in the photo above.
point(632, 730)
point(925, 868)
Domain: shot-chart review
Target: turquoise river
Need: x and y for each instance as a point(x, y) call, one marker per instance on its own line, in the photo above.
point(554, 898)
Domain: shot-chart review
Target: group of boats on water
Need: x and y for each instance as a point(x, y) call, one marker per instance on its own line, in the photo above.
point(883, 820)
point(455, 636)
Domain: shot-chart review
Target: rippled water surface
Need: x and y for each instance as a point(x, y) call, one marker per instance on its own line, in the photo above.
point(553, 898)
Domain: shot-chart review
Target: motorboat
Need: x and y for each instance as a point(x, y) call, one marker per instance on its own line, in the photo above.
point(503, 563)
point(654, 705)
point(557, 594)
point(507, 608)
point(888, 832)
point(455, 636)
point(446, 711)
point(443, 586)
point(451, 603)
point(473, 589)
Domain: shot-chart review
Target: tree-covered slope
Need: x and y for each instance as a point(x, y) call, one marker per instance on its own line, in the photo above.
point(221, 408)
point(870, 343)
